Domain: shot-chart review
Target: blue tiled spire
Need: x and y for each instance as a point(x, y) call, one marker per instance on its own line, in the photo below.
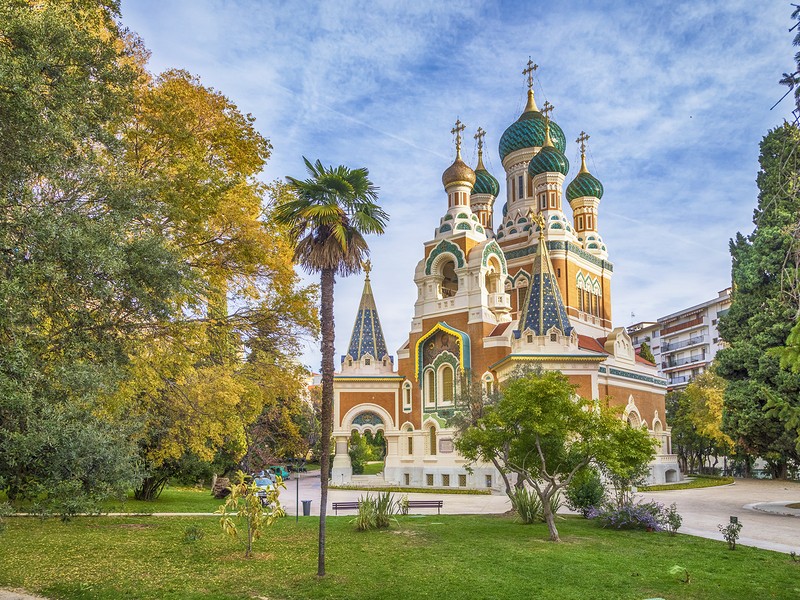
point(543, 308)
point(367, 335)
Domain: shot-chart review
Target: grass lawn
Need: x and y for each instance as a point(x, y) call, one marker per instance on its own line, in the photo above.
point(690, 484)
point(146, 558)
point(373, 467)
point(172, 499)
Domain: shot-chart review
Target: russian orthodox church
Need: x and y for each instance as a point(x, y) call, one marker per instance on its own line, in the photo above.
point(534, 289)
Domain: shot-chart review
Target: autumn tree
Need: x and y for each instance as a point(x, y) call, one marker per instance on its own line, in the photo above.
point(538, 430)
point(81, 271)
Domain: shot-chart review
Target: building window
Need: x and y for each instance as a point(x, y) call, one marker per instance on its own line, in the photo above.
point(530, 338)
point(366, 361)
point(406, 479)
point(553, 337)
point(429, 479)
point(430, 387)
point(432, 441)
point(530, 187)
point(445, 480)
point(462, 480)
point(552, 199)
point(446, 375)
point(520, 187)
point(407, 396)
point(410, 446)
point(589, 224)
point(488, 481)
point(543, 200)
point(349, 362)
point(580, 223)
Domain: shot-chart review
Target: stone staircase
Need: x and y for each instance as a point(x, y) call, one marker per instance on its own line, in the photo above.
point(369, 480)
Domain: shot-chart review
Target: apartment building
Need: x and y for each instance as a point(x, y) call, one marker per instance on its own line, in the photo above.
point(685, 342)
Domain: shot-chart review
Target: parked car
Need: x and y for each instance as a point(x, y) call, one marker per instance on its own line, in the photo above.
point(280, 471)
point(264, 485)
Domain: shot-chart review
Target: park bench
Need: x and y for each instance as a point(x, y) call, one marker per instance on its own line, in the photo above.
point(337, 506)
point(437, 504)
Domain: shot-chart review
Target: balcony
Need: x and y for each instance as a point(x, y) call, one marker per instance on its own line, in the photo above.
point(681, 326)
point(684, 344)
point(501, 302)
point(672, 364)
point(678, 380)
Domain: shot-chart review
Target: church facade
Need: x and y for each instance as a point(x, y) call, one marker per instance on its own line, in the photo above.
point(534, 289)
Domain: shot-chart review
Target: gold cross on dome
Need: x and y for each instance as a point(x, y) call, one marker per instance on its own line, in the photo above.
point(529, 72)
point(457, 132)
point(582, 139)
point(479, 136)
point(547, 109)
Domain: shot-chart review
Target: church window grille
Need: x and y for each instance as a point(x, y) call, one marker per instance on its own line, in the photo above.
point(520, 187)
point(429, 479)
point(488, 481)
point(445, 480)
point(446, 375)
point(407, 397)
point(462, 480)
point(406, 479)
point(366, 361)
point(589, 223)
point(430, 387)
point(553, 337)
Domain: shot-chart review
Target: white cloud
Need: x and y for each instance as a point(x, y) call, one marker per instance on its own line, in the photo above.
point(675, 96)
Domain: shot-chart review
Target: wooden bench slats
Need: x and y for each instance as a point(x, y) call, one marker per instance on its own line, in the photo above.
point(437, 504)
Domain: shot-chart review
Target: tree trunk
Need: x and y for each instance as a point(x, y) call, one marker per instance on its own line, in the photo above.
point(326, 321)
point(549, 518)
point(151, 488)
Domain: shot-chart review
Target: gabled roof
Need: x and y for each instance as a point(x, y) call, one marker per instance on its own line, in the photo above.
point(367, 337)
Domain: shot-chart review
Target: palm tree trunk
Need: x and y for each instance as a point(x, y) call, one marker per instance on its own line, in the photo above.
point(326, 318)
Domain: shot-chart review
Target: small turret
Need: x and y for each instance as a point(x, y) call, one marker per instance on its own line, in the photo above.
point(584, 194)
point(485, 190)
point(367, 351)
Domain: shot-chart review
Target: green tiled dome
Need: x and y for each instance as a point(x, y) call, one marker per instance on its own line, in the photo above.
point(485, 183)
point(548, 160)
point(585, 184)
point(529, 131)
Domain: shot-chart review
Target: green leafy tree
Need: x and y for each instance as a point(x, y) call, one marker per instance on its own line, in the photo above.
point(82, 272)
point(646, 353)
point(327, 220)
point(762, 395)
point(540, 431)
point(257, 508)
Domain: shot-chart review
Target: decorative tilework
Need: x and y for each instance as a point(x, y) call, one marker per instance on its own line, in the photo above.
point(494, 249)
point(543, 309)
point(466, 226)
point(367, 337)
point(441, 248)
point(464, 349)
point(559, 245)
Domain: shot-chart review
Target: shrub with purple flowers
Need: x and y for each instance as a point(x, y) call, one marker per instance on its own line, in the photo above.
point(631, 515)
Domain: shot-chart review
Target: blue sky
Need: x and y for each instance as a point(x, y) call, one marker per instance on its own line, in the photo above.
point(675, 96)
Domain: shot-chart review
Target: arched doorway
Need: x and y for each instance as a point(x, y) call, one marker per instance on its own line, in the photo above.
point(367, 445)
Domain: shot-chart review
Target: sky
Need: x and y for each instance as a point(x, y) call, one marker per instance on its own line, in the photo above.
point(675, 95)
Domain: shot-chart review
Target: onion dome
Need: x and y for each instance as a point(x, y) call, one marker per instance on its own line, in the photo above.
point(549, 159)
point(485, 183)
point(585, 184)
point(458, 172)
point(529, 131)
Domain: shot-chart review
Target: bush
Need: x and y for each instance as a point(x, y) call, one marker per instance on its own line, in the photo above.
point(527, 505)
point(731, 533)
point(376, 512)
point(631, 515)
point(585, 490)
point(672, 521)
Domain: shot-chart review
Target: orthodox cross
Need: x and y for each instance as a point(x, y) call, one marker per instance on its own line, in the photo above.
point(479, 136)
point(547, 109)
point(582, 139)
point(529, 72)
point(457, 132)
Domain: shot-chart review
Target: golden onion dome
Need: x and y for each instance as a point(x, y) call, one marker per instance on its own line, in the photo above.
point(458, 172)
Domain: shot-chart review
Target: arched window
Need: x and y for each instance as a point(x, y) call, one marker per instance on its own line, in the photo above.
point(432, 441)
point(449, 279)
point(430, 387)
point(446, 375)
point(407, 396)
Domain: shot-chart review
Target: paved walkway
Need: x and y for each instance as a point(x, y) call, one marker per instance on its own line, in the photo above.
point(760, 506)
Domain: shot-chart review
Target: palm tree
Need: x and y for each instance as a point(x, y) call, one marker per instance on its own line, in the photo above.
point(327, 219)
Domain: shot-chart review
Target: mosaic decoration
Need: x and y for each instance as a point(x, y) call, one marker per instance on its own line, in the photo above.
point(548, 160)
point(529, 132)
point(559, 245)
point(466, 226)
point(445, 228)
point(461, 341)
point(368, 418)
point(494, 249)
point(443, 247)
